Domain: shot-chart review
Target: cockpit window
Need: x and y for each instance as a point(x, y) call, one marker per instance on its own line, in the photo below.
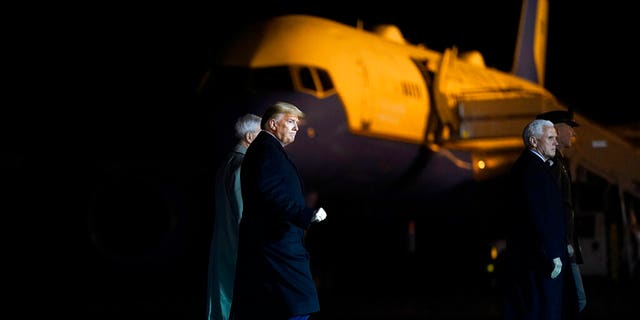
point(311, 80)
point(325, 79)
point(307, 79)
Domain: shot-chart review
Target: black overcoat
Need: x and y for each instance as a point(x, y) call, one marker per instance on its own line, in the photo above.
point(273, 275)
point(536, 235)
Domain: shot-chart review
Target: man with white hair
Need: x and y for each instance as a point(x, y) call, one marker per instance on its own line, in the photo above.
point(536, 238)
point(564, 124)
point(228, 211)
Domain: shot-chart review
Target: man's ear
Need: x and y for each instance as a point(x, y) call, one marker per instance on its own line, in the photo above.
point(272, 124)
point(249, 136)
point(533, 141)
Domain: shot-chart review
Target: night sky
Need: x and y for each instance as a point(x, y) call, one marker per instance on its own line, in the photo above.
point(102, 76)
point(103, 59)
point(106, 88)
point(589, 57)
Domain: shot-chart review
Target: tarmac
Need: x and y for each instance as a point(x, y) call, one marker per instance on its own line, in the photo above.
point(152, 296)
point(606, 300)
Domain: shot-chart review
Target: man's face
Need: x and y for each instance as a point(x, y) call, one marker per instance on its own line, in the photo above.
point(546, 145)
point(285, 129)
point(566, 135)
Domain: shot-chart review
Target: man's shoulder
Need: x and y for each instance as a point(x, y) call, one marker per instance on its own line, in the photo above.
point(526, 156)
point(528, 162)
point(263, 146)
point(264, 138)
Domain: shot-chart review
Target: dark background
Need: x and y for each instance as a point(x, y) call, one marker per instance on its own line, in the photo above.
point(162, 46)
point(101, 116)
point(108, 64)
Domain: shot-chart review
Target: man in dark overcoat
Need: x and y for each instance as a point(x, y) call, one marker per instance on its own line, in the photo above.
point(536, 240)
point(273, 274)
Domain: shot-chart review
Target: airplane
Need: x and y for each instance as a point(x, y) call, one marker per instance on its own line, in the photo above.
point(397, 133)
point(407, 148)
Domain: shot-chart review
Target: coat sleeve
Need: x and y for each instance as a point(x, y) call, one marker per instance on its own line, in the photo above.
point(281, 186)
point(545, 208)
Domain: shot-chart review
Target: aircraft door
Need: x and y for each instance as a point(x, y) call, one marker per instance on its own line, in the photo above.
point(446, 111)
point(393, 96)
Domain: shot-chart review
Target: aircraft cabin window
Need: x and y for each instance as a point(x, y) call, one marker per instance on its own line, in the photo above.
point(410, 89)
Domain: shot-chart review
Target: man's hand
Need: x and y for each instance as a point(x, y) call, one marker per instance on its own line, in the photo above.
point(557, 267)
point(570, 250)
point(319, 216)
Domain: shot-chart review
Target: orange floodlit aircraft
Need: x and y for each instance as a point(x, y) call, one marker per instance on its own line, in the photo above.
point(381, 109)
point(398, 127)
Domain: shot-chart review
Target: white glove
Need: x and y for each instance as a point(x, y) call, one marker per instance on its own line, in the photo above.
point(557, 268)
point(319, 216)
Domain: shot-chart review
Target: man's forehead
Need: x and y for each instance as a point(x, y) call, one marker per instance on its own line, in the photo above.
point(550, 131)
point(289, 116)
